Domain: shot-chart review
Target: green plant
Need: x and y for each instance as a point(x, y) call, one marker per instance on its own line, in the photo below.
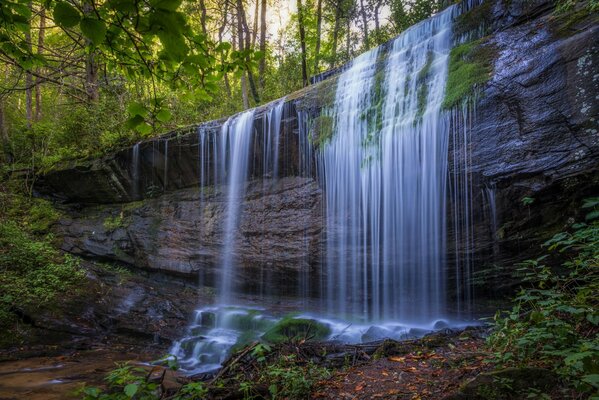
point(113, 223)
point(555, 321)
point(32, 272)
point(288, 379)
point(124, 382)
point(192, 391)
point(527, 201)
point(470, 65)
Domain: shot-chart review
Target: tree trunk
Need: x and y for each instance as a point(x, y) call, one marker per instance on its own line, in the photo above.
point(318, 33)
point(28, 81)
point(364, 24)
point(302, 32)
point(348, 38)
point(336, 33)
point(250, 75)
point(40, 51)
point(221, 32)
point(262, 65)
point(91, 67)
point(8, 157)
point(255, 27)
point(203, 17)
point(244, 90)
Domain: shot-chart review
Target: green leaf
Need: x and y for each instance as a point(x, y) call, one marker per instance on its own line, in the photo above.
point(592, 380)
point(93, 29)
point(164, 115)
point(125, 6)
point(593, 318)
point(66, 15)
point(223, 47)
point(592, 215)
point(130, 390)
point(144, 129)
point(174, 45)
point(94, 392)
point(134, 121)
point(135, 108)
point(168, 5)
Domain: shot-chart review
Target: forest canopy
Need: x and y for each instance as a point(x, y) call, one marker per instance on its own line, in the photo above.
point(79, 78)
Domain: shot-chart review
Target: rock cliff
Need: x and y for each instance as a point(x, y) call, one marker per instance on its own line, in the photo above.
point(532, 133)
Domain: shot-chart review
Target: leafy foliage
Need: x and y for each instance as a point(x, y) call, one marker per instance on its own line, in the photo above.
point(555, 321)
point(288, 380)
point(128, 382)
point(32, 272)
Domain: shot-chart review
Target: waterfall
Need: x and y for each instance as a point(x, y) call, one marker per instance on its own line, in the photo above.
point(384, 172)
point(236, 135)
point(382, 160)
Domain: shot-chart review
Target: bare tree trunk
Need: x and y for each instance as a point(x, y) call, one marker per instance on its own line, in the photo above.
point(262, 65)
point(302, 32)
point(250, 75)
point(203, 17)
point(348, 38)
point(377, 10)
point(336, 33)
point(364, 23)
point(221, 32)
point(255, 27)
point(40, 51)
point(7, 154)
point(91, 68)
point(244, 90)
point(29, 83)
point(318, 33)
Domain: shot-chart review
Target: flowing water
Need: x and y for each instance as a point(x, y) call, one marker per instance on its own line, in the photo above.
point(383, 168)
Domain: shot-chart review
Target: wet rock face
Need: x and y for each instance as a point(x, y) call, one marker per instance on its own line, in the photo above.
point(181, 232)
point(534, 133)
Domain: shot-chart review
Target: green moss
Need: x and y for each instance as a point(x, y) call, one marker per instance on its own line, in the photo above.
point(565, 23)
point(421, 79)
point(470, 65)
point(123, 218)
point(473, 19)
point(41, 216)
point(113, 223)
point(323, 128)
point(291, 329)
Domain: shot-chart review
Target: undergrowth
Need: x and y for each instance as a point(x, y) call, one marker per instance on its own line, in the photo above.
point(33, 273)
point(555, 320)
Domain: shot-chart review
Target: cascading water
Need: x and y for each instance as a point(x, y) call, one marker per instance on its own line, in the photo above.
point(235, 150)
point(384, 172)
point(383, 168)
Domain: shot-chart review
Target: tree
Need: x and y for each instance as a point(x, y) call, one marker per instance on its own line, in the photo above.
point(302, 33)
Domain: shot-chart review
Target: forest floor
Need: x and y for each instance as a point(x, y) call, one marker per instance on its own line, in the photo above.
point(446, 365)
point(424, 372)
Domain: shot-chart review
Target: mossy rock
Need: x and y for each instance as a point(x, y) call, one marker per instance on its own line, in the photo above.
point(291, 329)
point(507, 384)
point(470, 65)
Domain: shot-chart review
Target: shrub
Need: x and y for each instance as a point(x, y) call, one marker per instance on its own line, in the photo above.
point(32, 272)
point(555, 321)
